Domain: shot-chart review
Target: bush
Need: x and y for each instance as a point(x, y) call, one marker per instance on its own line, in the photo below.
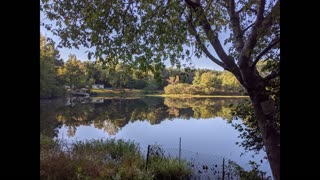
point(136, 84)
point(140, 84)
point(183, 88)
point(152, 86)
point(166, 168)
point(46, 142)
point(253, 174)
point(208, 90)
point(102, 159)
point(194, 89)
point(180, 88)
point(91, 159)
point(117, 159)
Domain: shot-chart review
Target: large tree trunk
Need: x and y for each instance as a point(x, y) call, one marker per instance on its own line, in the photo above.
point(264, 110)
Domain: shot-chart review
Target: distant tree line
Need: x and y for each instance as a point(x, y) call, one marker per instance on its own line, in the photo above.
point(56, 76)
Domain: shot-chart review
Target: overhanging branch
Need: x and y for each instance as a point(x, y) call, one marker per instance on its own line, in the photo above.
point(244, 30)
point(203, 47)
point(229, 61)
point(253, 37)
point(269, 19)
point(235, 22)
point(267, 49)
point(194, 5)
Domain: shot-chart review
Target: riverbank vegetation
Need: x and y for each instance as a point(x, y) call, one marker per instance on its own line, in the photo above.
point(106, 159)
point(117, 159)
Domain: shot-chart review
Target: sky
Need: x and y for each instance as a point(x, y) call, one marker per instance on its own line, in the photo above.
point(202, 62)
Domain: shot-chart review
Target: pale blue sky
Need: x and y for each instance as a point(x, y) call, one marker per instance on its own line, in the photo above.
point(202, 62)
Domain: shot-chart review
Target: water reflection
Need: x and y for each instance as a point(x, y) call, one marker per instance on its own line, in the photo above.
point(112, 115)
point(201, 122)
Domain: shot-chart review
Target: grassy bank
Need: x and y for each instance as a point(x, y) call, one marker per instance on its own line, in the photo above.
point(119, 159)
point(103, 159)
point(121, 92)
point(195, 96)
point(140, 92)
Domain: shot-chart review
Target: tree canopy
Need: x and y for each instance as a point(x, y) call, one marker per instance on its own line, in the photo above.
point(148, 32)
point(50, 61)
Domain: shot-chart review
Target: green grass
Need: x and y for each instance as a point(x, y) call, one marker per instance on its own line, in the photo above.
point(102, 159)
point(165, 168)
point(115, 159)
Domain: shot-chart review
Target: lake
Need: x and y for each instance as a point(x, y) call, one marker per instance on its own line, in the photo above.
point(203, 124)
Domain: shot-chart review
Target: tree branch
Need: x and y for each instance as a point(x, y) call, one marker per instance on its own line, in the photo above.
point(244, 8)
point(253, 37)
point(203, 47)
point(267, 49)
point(235, 22)
point(208, 6)
point(212, 37)
point(229, 62)
point(156, 11)
point(243, 31)
point(272, 75)
point(269, 19)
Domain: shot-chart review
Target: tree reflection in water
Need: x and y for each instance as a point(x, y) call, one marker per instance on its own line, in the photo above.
point(111, 115)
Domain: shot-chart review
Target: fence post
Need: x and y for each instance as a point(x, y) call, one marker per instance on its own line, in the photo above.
point(223, 172)
point(147, 157)
point(179, 150)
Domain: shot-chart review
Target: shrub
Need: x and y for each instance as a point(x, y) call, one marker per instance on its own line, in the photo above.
point(166, 168)
point(208, 90)
point(194, 89)
point(91, 159)
point(180, 88)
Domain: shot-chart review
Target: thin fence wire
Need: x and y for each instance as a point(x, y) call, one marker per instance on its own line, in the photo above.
point(202, 166)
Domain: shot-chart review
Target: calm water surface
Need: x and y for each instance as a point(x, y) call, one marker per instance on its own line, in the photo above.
point(203, 124)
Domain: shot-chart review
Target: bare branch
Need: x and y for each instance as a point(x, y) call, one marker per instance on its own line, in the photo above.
point(267, 49)
point(235, 22)
point(203, 47)
point(244, 30)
